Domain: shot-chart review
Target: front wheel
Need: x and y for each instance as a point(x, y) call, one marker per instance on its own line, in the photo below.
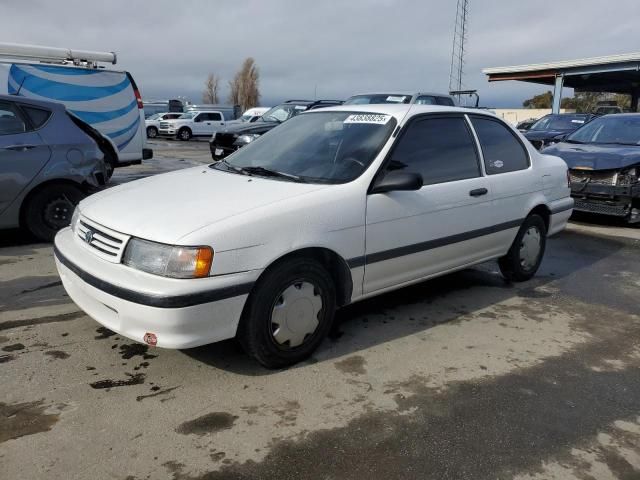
point(184, 134)
point(523, 258)
point(288, 314)
point(152, 132)
point(51, 209)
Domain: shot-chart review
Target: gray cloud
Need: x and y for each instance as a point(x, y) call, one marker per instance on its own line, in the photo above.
point(340, 47)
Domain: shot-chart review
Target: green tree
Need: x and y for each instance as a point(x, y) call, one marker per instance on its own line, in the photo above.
point(539, 101)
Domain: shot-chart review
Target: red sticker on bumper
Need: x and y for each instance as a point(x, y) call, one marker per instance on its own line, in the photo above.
point(150, 339)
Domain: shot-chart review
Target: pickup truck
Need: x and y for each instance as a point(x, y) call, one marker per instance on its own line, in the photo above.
point(192, 124)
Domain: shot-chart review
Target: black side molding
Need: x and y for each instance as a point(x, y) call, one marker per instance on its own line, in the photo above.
point(174, 301)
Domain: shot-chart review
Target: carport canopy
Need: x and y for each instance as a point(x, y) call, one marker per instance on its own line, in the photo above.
point(613, 73)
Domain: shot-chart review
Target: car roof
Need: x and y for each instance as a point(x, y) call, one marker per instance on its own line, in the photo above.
point(400, 110)
point(395, 92)
point(31, 101)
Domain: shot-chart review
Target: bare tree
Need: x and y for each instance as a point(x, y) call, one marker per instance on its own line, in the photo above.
point(210, 93)
point(244, 88)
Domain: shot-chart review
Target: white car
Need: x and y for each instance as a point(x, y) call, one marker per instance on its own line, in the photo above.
point(252, 114)
point(192, 124)
point(153, 122)
point(333, 206)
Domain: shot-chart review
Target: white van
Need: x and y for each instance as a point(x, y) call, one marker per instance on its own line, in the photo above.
point(108, 100)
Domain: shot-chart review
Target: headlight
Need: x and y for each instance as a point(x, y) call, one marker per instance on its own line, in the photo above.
point(75, 219)
point(244, 139)
point(168, 260)
point(628, 177)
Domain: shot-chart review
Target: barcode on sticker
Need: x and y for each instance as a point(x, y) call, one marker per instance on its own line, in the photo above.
point(375, 118)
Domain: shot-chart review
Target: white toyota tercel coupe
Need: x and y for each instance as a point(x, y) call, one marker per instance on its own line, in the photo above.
point(334, 206)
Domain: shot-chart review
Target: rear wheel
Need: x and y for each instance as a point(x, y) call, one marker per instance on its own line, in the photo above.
point(152, 132)
point(288, 314)
point(524, 257)
point(184, 134)
point(51, 209)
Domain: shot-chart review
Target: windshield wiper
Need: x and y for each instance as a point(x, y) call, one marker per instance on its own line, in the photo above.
point(275, 118)
point(229, 166)
point(265, 172)
point(572, 141)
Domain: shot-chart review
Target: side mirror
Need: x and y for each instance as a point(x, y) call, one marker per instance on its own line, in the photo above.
point(395, 180)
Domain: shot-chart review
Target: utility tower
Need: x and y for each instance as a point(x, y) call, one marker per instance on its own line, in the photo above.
point(456, 73)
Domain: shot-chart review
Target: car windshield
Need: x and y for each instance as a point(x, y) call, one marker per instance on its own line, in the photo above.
point(620, 129)
point(188, 115)
point(559, 122)
point(283, 112)
point(377, 99)
point(318, 147)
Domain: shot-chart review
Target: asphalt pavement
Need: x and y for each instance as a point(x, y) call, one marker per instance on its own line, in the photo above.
point(461, 377)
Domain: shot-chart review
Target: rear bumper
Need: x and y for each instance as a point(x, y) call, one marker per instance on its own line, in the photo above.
point(560, 212)
point(177, 317)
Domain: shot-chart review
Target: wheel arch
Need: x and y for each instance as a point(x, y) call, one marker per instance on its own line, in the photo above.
point(335, 265)
point(544, 211)
point(41, 186)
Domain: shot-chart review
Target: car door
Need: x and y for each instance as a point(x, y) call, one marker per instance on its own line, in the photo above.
point(508, 168)
point(415, 234)
point(214, 122)
point(22, 152)
point(198, 125)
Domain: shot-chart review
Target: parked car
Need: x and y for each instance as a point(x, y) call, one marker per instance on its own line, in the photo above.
point(193, 123)
point(252, 114)
point(48, 163)
point(108, 100)
point(334, 206)
point(604, 164)
point(153, 122)
point(419, 98)
point(235, 136)
point(525, 125)
point(554, 127)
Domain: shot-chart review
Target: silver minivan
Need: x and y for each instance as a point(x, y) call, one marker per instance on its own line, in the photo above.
point(49, 161)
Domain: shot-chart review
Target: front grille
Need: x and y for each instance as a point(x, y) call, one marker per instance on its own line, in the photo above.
point(600, 207)
point(103, 241)
point(224, 140)
point(165, 125)
point(597, 177)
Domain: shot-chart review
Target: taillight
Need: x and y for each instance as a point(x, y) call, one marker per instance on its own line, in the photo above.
point(138, 98)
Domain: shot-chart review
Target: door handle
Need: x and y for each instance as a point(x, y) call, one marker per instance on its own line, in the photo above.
point(478, 192)
point(20, 148)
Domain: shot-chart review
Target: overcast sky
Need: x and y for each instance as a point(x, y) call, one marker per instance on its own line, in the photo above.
point(342, 47)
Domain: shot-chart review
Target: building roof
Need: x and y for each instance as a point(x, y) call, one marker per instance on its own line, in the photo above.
point(565, 64)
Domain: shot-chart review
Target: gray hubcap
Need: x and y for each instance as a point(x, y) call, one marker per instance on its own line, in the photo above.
point(185, 135)
point(530, 248)
point(295, 314)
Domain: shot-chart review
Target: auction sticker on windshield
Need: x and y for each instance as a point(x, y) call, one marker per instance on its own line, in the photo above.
point(375, 118)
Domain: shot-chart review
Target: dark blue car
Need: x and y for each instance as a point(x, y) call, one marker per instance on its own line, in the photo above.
point(554, 127)
point(603, 158)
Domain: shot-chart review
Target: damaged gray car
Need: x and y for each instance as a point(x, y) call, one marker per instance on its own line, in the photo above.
point(49, 161)
point(603, 158)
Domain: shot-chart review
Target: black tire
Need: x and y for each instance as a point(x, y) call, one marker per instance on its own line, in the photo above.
point(51, 209)
point(511, 265)
point(184, 134)
point(255, 332)
point(152, 132)
point(110, 168)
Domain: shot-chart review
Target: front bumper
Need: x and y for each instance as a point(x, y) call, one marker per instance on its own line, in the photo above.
point(170, 132)
point(614, 200)
point(179, 313)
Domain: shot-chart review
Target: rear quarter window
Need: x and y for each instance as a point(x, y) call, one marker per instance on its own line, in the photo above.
point(502, 151)
point(37, 116)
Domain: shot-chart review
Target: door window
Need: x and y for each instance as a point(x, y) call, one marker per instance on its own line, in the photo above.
point(216, 117)
point(502, 151)
point(441, 149)
point(10, 121)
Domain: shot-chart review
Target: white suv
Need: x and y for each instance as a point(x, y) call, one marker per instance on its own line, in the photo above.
point(333, 206)
point(153, 122)
point(192, 124)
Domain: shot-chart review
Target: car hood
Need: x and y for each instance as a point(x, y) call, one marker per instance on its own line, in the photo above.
point(245, 128)
point(595, 157)
point(166, 207)
point(544, 134)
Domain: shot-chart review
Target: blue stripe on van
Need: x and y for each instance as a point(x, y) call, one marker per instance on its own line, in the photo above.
point(97, 117)
point(134, 132)
point(63, 91)
point(126, 129)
